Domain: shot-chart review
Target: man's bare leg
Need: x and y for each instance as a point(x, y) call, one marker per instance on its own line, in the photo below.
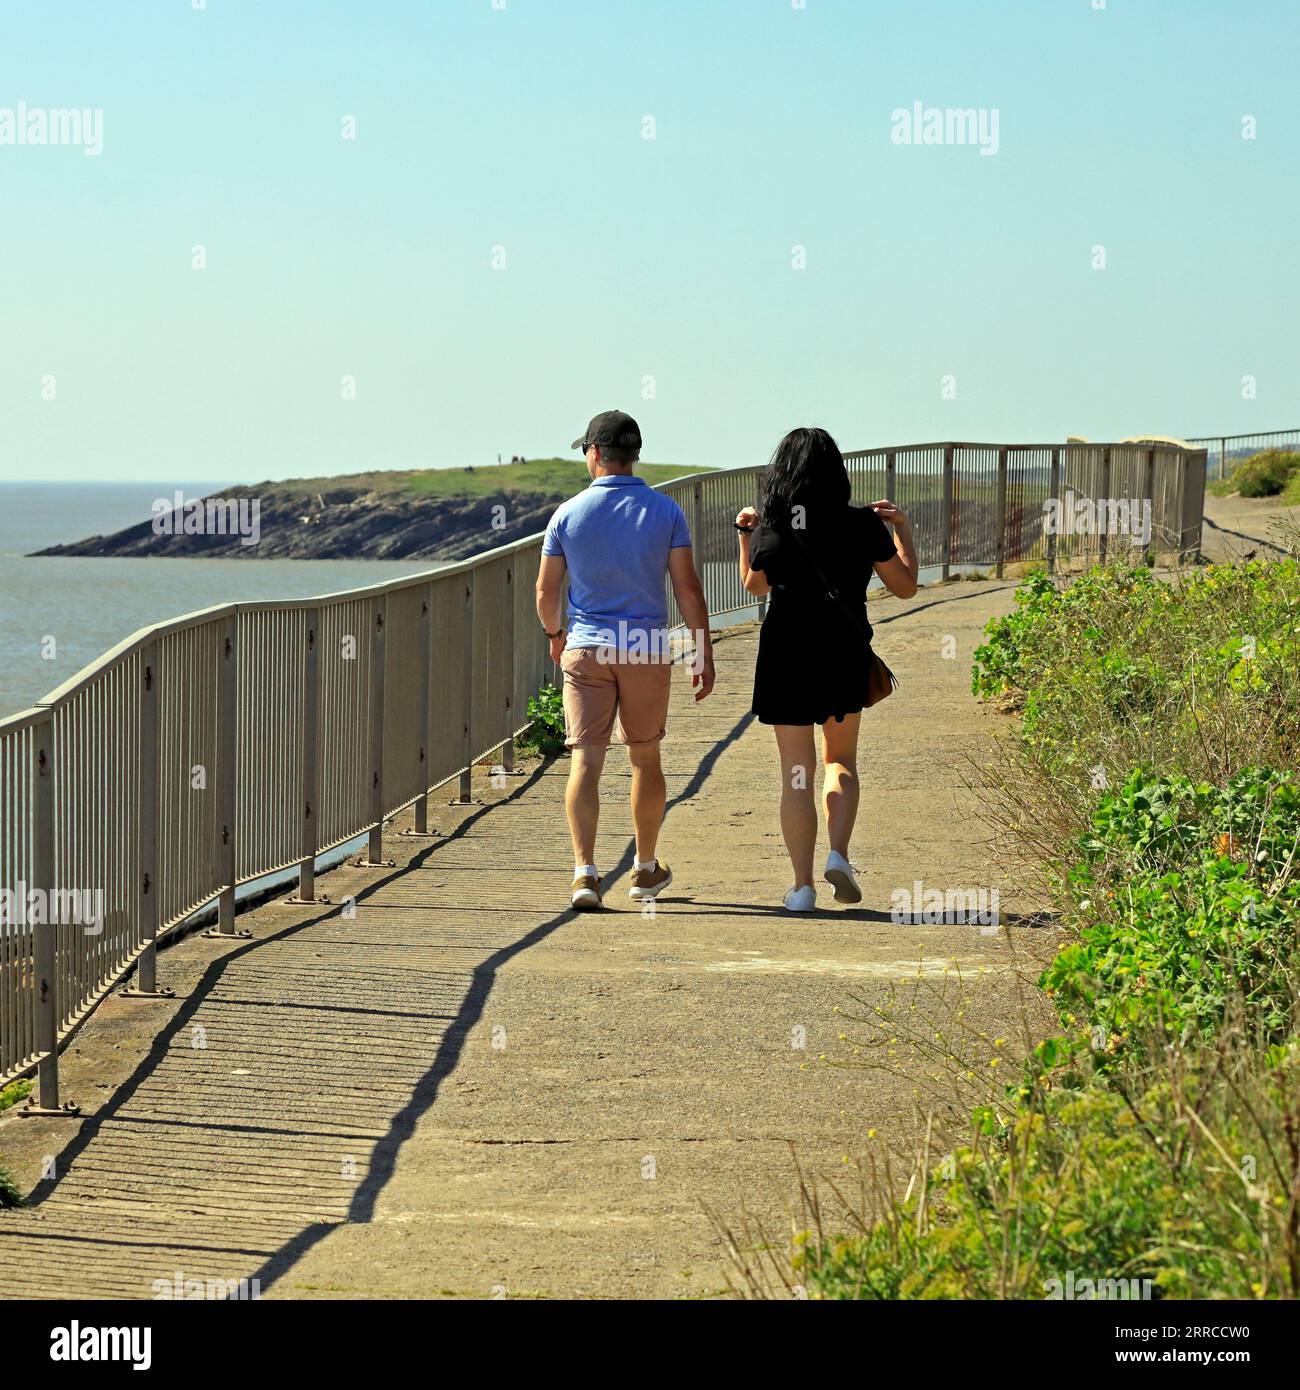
point(649, 795)
point(582, 802)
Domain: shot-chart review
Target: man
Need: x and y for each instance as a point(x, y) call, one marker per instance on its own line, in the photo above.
point(617, 541)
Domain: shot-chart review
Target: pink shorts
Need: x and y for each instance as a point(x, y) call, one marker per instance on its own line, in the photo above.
point(598, 688)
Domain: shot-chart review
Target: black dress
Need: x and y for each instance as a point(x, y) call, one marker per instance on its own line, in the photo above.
point(812, 655)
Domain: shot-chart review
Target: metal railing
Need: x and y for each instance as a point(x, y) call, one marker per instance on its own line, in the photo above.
point(212, 750)
point(1225, 451)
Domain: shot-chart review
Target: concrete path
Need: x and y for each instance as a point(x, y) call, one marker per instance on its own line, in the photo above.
point(468, 1090)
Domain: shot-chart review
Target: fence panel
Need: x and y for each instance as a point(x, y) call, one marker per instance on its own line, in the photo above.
point(18, 1043)
point(491, 670)
point(449, 627)
point(272, 647)
point(343, 737)
point(404, 697)
point(96, 749)
point(533, 667)
point(1226, 452)
point(1029, 485)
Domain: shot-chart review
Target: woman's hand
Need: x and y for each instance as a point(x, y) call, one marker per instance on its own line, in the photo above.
point(890, 514)
point(747, 517)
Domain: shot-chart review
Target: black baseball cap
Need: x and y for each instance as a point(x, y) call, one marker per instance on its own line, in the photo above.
point(612, 429)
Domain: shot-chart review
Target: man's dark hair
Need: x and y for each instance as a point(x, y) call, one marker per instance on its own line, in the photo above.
point(618, 457)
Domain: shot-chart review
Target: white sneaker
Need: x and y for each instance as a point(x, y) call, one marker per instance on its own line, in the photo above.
point(839, 874)
point(801, 899)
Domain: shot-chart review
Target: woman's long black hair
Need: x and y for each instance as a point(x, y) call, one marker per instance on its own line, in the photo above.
point(807, 471)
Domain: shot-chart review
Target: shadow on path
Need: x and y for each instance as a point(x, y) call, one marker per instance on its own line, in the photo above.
point(384, 1160)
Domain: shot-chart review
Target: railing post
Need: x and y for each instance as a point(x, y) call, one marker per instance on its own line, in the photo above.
point(45, 933)
point(310, 771)
point(146, 903)
point(426, 713)
point(227, 770)
point(891, 472)
point(508, 749)
point(945, 519)
point(467, 690)
point(378, 671)
point(1103, 501)
point(699, 541)
point(1223, 458)
point(1054, 493)
point(1000, 513)
point(1149, 496)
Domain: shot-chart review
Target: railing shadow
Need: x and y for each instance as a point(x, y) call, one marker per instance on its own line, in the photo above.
point(385, 1155)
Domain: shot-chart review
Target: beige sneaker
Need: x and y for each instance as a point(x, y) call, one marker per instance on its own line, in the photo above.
point(586, 893)
point(647, 884)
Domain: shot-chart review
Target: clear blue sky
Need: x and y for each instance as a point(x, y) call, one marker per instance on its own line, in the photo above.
point(626, 258)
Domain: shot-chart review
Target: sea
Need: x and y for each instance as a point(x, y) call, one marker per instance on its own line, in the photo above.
point(58, 613)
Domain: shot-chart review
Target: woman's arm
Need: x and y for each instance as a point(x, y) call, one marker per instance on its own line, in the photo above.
point(899, 574)
point(755, 581)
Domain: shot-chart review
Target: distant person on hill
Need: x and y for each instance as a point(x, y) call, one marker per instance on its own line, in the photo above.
point(616, 542)
point(814, 554)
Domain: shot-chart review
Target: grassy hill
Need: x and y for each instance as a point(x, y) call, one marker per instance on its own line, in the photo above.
point(434, 513)
point(547, 477)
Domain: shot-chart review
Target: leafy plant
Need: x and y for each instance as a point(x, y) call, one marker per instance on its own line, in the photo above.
point(545, 732)
point(1266, 474)
point(15, 1091)
point(10, 1193)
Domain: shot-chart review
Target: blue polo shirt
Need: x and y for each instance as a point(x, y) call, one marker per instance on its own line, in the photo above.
point(615, 537)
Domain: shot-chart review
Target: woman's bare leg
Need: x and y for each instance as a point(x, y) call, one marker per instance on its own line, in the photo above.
point(798, 810)
point(840, 792)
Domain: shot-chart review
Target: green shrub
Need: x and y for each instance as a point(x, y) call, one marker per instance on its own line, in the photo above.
point(545, 734)
point(10, 1194)
point(1164, 1183)
point(15, 1091)
point(1184, 906)
point(1120, 669)
point(1266, 474)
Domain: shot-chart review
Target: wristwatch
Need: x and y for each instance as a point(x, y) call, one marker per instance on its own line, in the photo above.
point(560, 633)
point(744, 530)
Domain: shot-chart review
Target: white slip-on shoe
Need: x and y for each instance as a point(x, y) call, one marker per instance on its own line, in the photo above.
point(839, 874)
point(801, 899)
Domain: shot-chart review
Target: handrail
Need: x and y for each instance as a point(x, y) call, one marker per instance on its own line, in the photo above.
point(214, 748)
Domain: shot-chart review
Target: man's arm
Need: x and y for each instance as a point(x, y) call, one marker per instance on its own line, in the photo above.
point(689, 593)
point(550, 600)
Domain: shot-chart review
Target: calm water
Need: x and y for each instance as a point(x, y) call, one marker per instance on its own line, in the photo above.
point(86, 605)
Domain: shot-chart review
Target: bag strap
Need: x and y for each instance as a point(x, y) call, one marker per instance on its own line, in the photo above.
point(859, 619)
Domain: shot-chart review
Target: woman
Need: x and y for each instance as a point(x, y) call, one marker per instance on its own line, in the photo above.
point(814, 554)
